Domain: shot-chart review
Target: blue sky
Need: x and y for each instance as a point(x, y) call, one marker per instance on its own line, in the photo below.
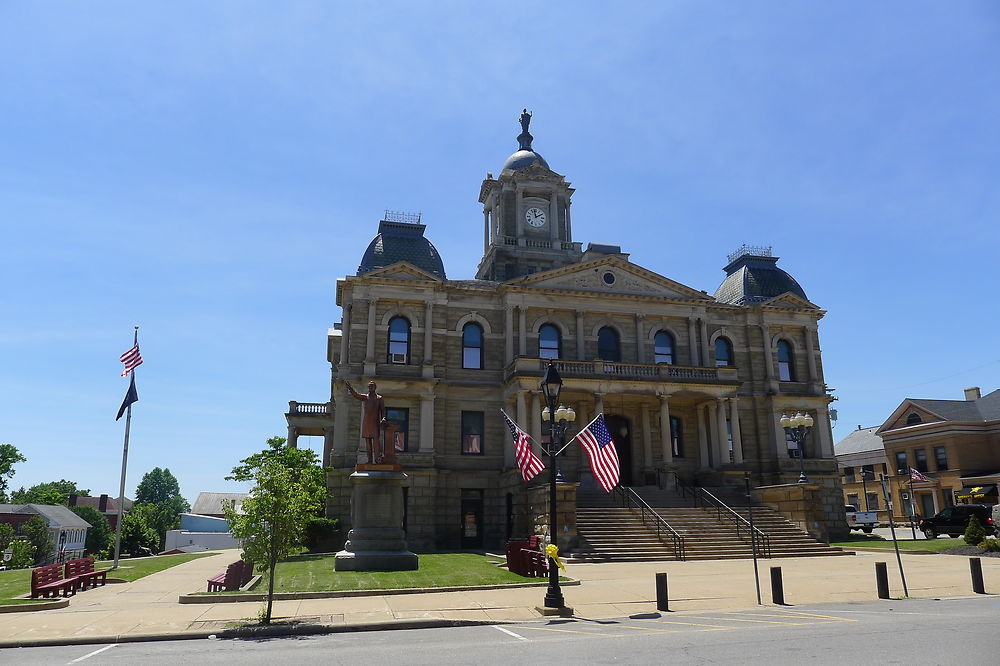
point(208, 170)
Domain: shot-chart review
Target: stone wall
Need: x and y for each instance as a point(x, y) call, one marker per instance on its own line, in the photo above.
point(816, 508)
point(538, 511)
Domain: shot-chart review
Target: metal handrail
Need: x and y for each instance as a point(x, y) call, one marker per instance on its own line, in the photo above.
point(663, 529)
point(703, 498)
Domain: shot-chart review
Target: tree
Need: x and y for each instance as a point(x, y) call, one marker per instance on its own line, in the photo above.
point(159, 485)
point(50, 492)
point(23, 554)
point(277, 449)
point(137, 535)
point(99, 536)
point(158, 517)
point(275, 514)
point(37, 532)
point(6, 535)
point(9, 456)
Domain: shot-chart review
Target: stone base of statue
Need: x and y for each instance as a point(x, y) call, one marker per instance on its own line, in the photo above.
point(376, 541)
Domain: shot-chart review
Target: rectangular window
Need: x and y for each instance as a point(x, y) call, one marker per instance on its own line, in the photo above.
point(848, 475)
point(677, 437)
point(472, 433)
point(947, 497)
point(940, 458)
point(852, 499)
point(920, 458)
point(401, 417)
point(902, 466)
point(868, 472)
point(872, 502)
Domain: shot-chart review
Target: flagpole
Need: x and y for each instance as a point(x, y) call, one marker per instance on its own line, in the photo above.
point(121, 487)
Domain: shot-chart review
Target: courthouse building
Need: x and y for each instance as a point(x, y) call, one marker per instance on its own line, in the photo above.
point(690, 382)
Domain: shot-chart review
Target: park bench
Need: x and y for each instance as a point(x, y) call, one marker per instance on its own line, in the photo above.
point(526, 558)
point(48, 581)
point(234, 577)
point(83, 572)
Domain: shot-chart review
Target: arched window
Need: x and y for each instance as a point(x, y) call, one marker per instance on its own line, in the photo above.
point(913, 419)
point(786, 362)
point(549, 342)
point(608, 347)
point(399, 340)
point(663, 347)
point(723, 352)
point(472, 346)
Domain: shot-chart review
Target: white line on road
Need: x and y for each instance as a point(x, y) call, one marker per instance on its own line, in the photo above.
point(509, 633)
point(87, 656)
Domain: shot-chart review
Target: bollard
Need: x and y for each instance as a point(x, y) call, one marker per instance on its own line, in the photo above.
point(976, 566)
point(662, 602)
point(777, 590)
point(882, 580)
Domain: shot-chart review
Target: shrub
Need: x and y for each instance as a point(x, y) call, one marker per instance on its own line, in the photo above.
point(321, 534)
point(974, 533)
point(23, 554)
point(37, 532)
point(6, 535)
point(991, 545)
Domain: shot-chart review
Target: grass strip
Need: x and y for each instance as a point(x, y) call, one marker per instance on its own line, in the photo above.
point(875, 541)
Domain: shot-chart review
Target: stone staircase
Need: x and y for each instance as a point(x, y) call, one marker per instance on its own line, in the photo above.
point(610, 533)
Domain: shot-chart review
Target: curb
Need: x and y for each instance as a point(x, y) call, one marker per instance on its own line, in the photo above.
point(39, 606)
point(270, 631)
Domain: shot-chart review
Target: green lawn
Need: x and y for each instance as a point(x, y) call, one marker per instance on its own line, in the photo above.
point(875, 541)
point(315, 573)
point(17, 583)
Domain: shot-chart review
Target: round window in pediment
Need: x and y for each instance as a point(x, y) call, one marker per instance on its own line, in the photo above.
point(609, 278)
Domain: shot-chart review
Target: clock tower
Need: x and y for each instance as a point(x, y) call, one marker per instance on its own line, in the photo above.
point(526, 216)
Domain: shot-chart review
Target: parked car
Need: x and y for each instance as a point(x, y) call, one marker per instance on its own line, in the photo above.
point(953, 520)
point(865, 521)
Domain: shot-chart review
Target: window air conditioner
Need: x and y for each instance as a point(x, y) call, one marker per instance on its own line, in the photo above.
point(397, 358)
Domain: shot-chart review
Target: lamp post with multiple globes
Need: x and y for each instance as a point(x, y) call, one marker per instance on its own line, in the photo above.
point(798, 427)
point(559, 418)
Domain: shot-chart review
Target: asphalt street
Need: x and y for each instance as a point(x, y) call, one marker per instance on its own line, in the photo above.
point(913, 632)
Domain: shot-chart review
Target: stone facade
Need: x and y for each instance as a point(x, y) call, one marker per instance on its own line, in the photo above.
point(648, 352)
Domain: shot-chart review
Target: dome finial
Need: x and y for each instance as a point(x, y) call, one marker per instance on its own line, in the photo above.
point(524, 138)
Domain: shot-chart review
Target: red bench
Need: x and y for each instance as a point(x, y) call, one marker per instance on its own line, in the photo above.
point(82, 571)
point(236, 576)
point(48, 581)
point(526, 558)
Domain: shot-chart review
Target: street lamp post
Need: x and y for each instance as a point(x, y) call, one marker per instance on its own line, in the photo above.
point(864, 486)
point(798, 428)
point(558, 419)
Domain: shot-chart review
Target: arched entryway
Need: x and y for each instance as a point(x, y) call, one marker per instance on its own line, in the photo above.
point(621, 435)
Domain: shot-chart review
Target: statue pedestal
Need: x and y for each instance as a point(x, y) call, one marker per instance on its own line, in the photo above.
point(376, 541)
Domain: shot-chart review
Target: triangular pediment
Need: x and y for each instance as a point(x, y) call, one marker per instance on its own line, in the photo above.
point(900, 416)
point(402, 271)
point(610, 275)
point(789, 300)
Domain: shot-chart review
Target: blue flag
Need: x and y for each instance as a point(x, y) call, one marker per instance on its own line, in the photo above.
point(130, 397)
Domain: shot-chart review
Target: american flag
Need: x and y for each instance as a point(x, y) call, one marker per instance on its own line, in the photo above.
point(529, 463)
point(917, 476)
point(596, 440)
point(131, 359)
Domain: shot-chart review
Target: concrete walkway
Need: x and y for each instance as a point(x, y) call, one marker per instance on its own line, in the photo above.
point(147, 609)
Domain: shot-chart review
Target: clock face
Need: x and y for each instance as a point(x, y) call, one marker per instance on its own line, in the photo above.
point(535, 217)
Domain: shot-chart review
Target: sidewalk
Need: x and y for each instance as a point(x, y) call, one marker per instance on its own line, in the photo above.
point(147, 609)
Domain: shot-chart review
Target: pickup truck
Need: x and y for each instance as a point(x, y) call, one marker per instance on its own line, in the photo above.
point(865, 521)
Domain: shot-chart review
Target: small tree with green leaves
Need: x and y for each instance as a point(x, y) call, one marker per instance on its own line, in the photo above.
point(974, 533)
point(22, 554)
point(6, 535)
point(273, 519)
point(9, 456)
point(137, 535)
point(37, 532)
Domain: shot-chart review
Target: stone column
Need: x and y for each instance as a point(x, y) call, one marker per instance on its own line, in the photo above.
point(345, 332)
point(293, 437)
point(780, 443)
point(821, 431)
point(640, 348)
point(508, 334)
point(329, 444)
point(647, 438)
point(693, 343)
point(598, 404)
point(428, 333)
point(554, 219)
point(706, 354)
point(765, 334)
point(427, 423)
point(734, 420)
point(522, 334)
point(810, 353)
point(723, 430)
point(703, 436)
point(509, 460)
point(342, 402)
point(370, 341)
point(569, 224)
point(666, 443)
point(486, 230)
point(536, 423)
point(580, 337)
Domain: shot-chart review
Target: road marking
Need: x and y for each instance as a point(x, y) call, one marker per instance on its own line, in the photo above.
point(87, 656)
point(510, 633)
point(803, 614)
point(571, 631)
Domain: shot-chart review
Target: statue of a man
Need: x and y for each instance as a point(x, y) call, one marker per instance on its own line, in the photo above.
point(372, 420)
point(525, 120)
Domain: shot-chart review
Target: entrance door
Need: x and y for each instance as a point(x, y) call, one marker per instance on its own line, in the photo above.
point(927, 504)
point(621, 435)
point(472, 518)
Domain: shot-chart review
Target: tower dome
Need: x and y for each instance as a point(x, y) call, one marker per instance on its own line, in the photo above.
point(752, 276)
point(524, 157)
point(401, 238)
